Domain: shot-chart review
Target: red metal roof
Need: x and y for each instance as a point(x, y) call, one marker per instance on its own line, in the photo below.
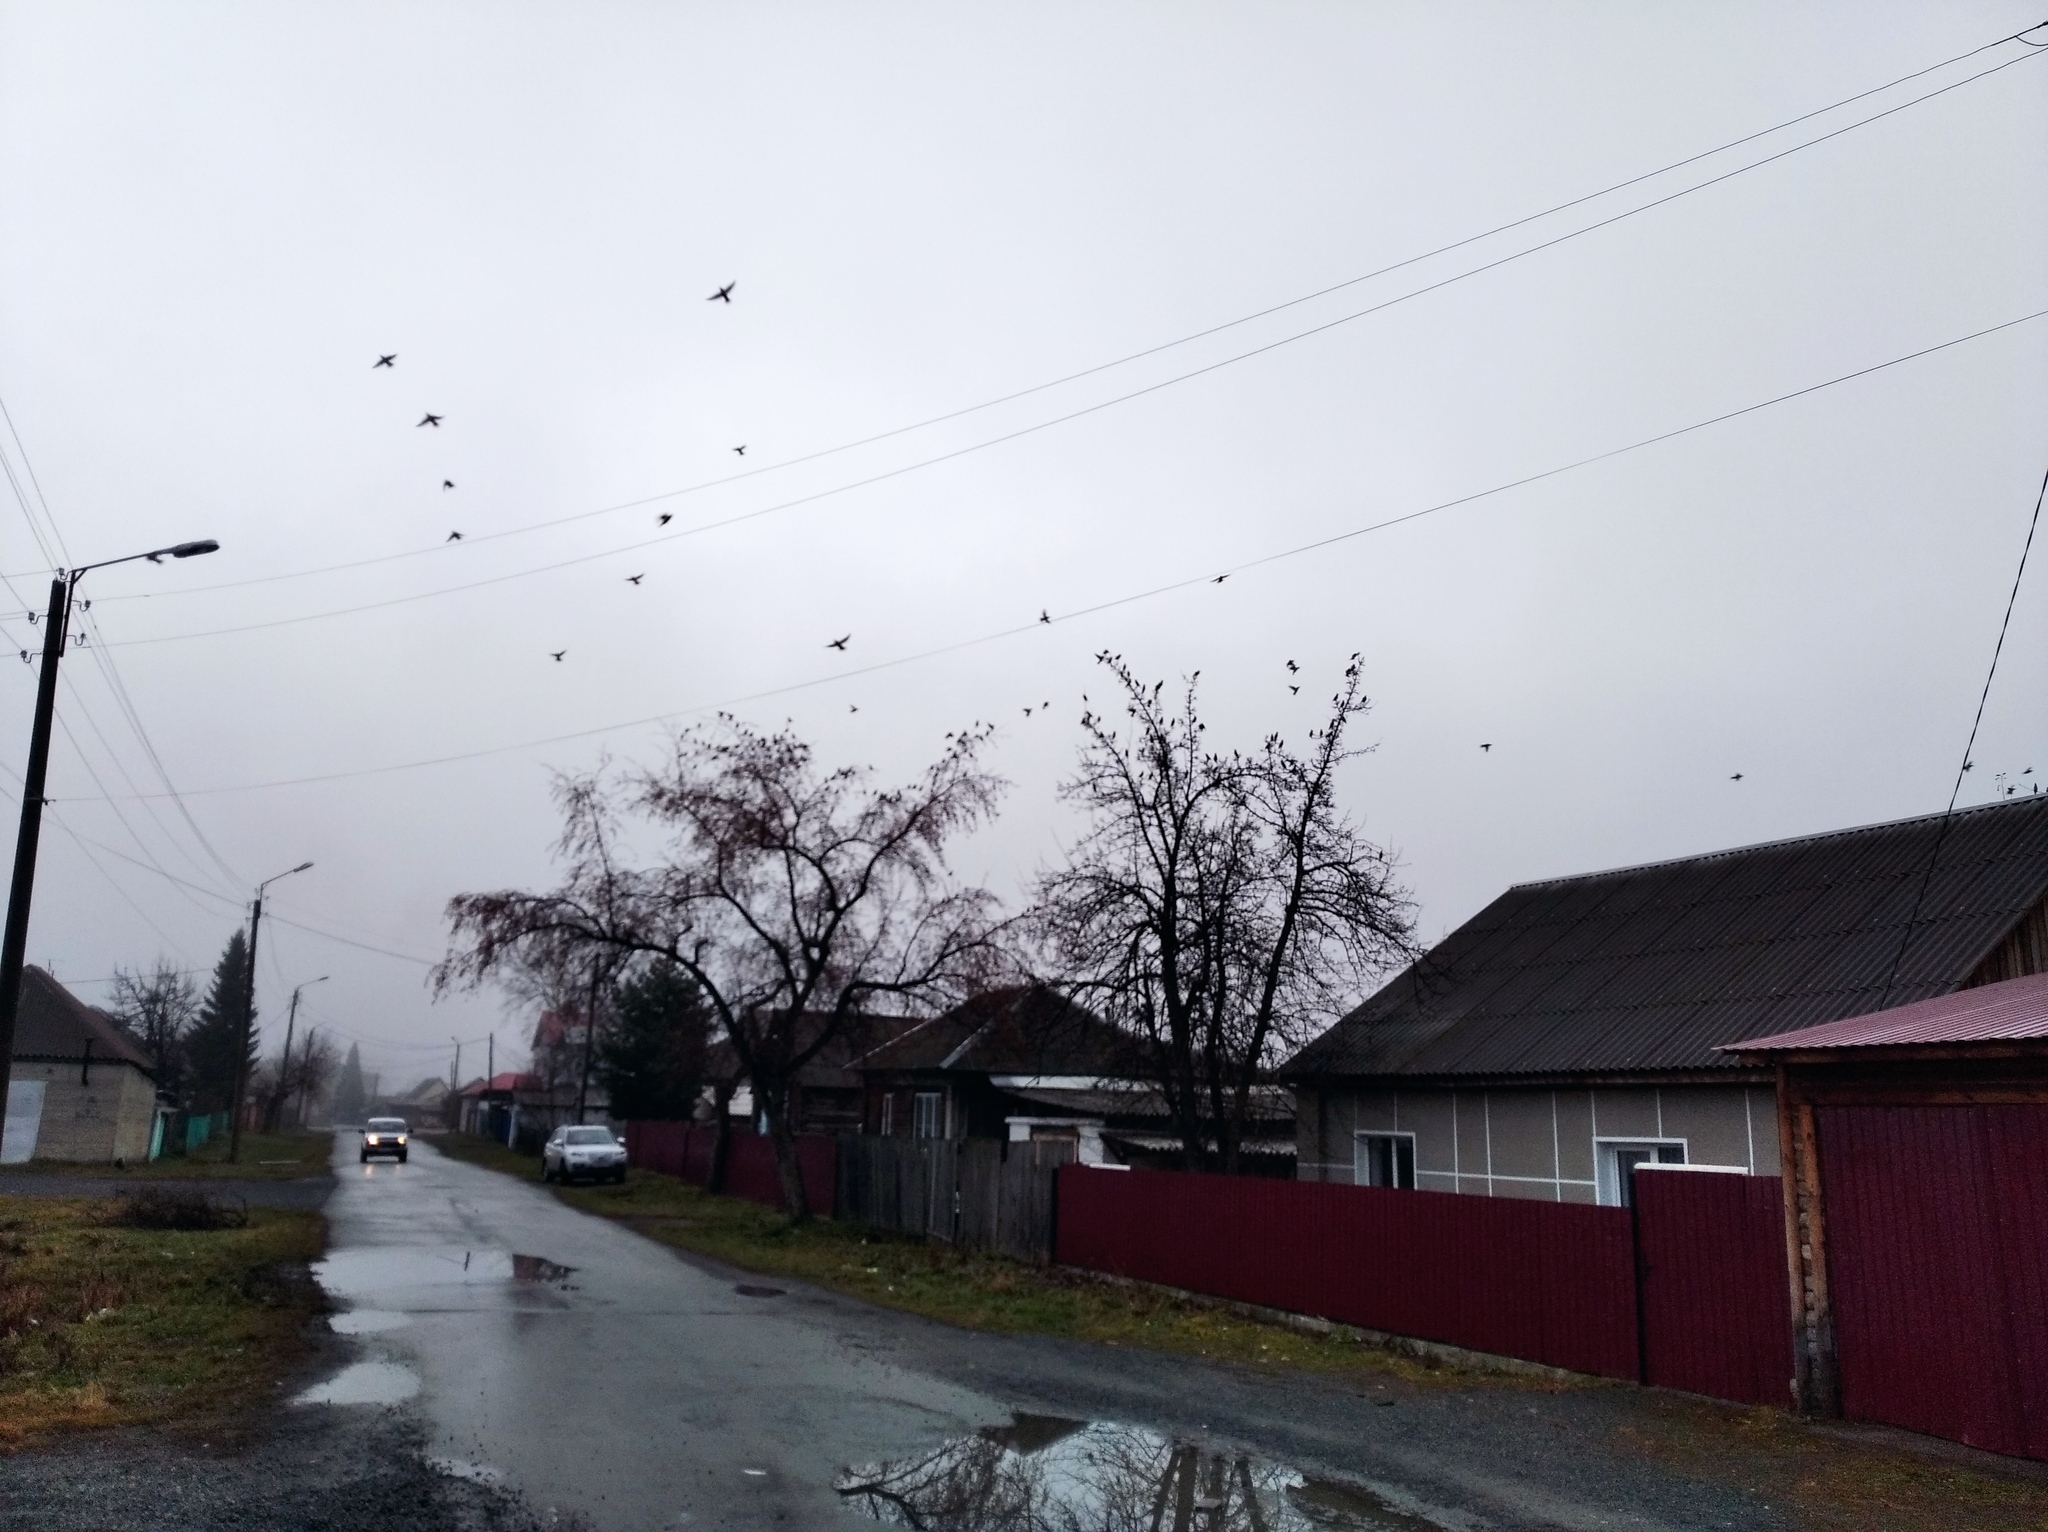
point(503, 1082)
point(2016, 1008)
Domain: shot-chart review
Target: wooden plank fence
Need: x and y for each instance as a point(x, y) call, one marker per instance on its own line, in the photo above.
point(976, 1194)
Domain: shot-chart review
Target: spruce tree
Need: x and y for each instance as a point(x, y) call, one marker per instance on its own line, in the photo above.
point(350, 1103)
point(211, 1045)
point(651, 1062)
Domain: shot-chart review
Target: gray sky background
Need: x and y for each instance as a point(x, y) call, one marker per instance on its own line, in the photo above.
point(215, 217)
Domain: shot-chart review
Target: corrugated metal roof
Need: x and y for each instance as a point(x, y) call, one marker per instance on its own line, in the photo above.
point(1656, 967)
point(1024, 1029)
point(1989, 1013)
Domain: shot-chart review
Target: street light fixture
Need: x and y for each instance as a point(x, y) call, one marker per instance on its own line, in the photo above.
point(249, 1017)
point(14, 942)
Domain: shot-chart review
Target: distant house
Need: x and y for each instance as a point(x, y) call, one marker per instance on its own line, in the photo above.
point(424, 1106)
point(81, 1089)
point(1574, 1027)
point(1026, 1064)
point(827, 1092)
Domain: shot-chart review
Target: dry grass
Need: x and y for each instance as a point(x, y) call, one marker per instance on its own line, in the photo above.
point(104, 1324)
point(265, 1157)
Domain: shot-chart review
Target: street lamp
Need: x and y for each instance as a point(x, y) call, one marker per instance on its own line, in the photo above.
point(249, 1016)
point(14, 943)
point(284, 1075)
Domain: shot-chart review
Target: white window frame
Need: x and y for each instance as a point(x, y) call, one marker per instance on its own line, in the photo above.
point(888, 1114)
point(1607, 1164)
point(1360, 1164)
point(928, 1111)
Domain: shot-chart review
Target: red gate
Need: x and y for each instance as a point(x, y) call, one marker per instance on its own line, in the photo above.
point(1937, 1229)
point(1715, 1297)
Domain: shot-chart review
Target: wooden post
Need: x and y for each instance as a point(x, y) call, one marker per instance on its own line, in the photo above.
point(1815, 1383)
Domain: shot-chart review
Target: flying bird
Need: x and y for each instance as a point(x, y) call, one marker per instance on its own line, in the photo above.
point(1295, 690)
point(384, 361)
point(453, 537)
point(1027, 712)
point(1486, 747)
point(839, 643)
point(1219, 579)
point(447, 484)
point(852, 707)
point(635, 579)
point(664, 518)
point(1736, 778)
point(429, 420)
point(724, 292)
point(741, 449)
point(1969, 765)
point(1044, 615)
point(558, 653)
point(1293, 669)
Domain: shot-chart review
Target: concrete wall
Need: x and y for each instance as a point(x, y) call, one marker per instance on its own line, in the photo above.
point(1534, 1143)
point(106, 1119)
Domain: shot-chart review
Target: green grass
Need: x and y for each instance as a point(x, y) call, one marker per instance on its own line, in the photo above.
point(487, 1152)
point(265, 1157)
point(103, 1325)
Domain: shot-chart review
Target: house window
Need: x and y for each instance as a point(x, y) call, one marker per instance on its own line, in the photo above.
point(889, 1114)
point(927, 1115)
point(1617, 1159)
point(1384, 1159)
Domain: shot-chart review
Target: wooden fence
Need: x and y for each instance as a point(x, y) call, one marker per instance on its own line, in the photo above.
point(977, 1194)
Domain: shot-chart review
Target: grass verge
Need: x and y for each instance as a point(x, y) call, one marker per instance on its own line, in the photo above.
point(265, 1157)
point(105, 1325)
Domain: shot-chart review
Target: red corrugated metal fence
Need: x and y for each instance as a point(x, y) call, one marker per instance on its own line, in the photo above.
point(1548, 1282)
point(1716, 1304)
point(1937, 1223)
point(683, 1150)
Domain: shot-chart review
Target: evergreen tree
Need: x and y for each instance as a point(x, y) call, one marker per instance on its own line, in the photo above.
point(651, 1061)
point(211, 1045)
point(350, 1101)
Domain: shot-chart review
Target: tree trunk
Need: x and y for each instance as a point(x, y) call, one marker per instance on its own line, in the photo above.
point(783, 1132)
point(721, 1143)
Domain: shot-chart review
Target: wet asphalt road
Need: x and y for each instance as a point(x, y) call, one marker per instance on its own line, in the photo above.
point(640, 1390)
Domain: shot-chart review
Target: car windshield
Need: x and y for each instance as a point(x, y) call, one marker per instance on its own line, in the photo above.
point(589, 1136)
point(387, 1124)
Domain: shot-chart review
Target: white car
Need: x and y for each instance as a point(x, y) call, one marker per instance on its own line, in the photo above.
point(385, 1135)
point(573, 1152)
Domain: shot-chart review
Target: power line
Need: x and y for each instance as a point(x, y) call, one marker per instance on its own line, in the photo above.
point(1941, 833)
point(1185, 583)
point(1124, 398)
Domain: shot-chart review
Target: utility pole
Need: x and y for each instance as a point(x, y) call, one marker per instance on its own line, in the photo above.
point(284, 1071)
point(14, 940)
point(248, 1019)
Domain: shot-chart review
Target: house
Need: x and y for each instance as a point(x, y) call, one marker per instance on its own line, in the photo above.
point(1573, 1028)
point(826, 1095)
point(81, 1088)
point(1025, 1064)
point(1915, 1168)
point(424, 1106)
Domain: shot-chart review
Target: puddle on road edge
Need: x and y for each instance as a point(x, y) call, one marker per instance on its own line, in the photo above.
point(1041, 1471)
point(367, 1321)
point(364, 1383)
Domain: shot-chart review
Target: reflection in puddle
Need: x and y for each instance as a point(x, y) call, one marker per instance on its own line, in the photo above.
point(367, 1321)
point(1041, 1474)
point(378, 1269)
point(364, 1383)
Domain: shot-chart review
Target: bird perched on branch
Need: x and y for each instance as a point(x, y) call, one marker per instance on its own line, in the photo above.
point(429, 420)
point(385, 361)
point(724, 292)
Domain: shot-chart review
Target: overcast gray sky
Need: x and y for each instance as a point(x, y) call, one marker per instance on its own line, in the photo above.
point(217, 216)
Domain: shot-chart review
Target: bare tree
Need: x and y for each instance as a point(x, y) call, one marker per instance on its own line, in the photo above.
point(302, 1076)
point(158, 1008)
point(1220, 908)
point(795, 899)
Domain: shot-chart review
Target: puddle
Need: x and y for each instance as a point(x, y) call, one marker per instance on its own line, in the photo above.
point(754, 1290)
point(1039, 1473)
point(369, 1270)
point(365, 1383)
point(367, 1321)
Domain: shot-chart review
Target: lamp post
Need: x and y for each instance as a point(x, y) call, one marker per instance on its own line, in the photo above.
point(14, 943)
point(284, 1068)
point(249, 1017)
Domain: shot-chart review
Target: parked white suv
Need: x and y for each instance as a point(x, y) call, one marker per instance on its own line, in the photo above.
point(573, 1152)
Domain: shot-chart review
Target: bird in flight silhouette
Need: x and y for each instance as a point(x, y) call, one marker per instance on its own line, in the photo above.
point(558, 653)
point(1294, 691)
point(1219, 579)
point(1486, 747)
point(429, 420)
point(1736, 778)
point(453, 537)
point(852, 707)
point(1293, 669)
point(724, 292)
point(664, 518)
point(839, 643)
point(447, 484)
point(1044, 615)
point(741, 449)
point(384, 361)
point(1027, 712)
point(635, 579)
